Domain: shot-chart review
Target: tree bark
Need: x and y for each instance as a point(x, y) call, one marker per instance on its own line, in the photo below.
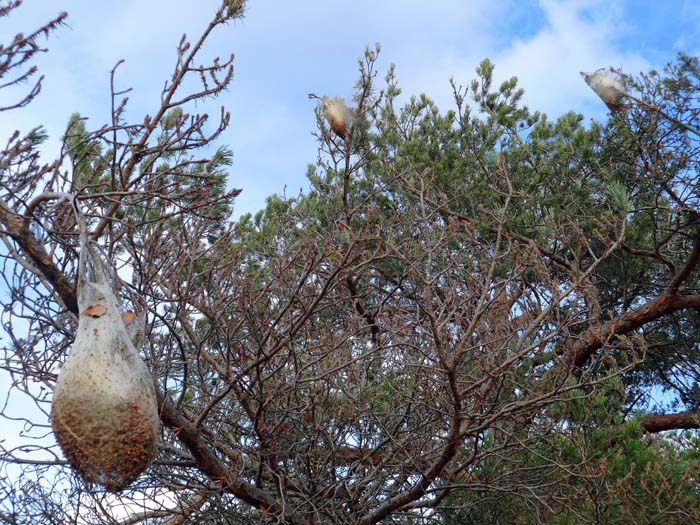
point(594, 339)
point(662, 422)
point(16, 228)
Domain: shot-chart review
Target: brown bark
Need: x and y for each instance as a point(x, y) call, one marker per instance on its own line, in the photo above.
point(662, 422)
point(16, 227)
point(594, 339)
point(209, 464)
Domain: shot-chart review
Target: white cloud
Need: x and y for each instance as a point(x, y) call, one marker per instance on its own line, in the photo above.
point(285, 50)
point(578, 36)
point(572, 36)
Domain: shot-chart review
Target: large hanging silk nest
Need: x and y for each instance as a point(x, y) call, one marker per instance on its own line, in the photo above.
point(104, 412)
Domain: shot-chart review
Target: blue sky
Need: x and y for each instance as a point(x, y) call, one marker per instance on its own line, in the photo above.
point(284, 50)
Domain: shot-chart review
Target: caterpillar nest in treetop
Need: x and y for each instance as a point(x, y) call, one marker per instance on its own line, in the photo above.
point(338, 115)
point(104, 412)
point(609, 88)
